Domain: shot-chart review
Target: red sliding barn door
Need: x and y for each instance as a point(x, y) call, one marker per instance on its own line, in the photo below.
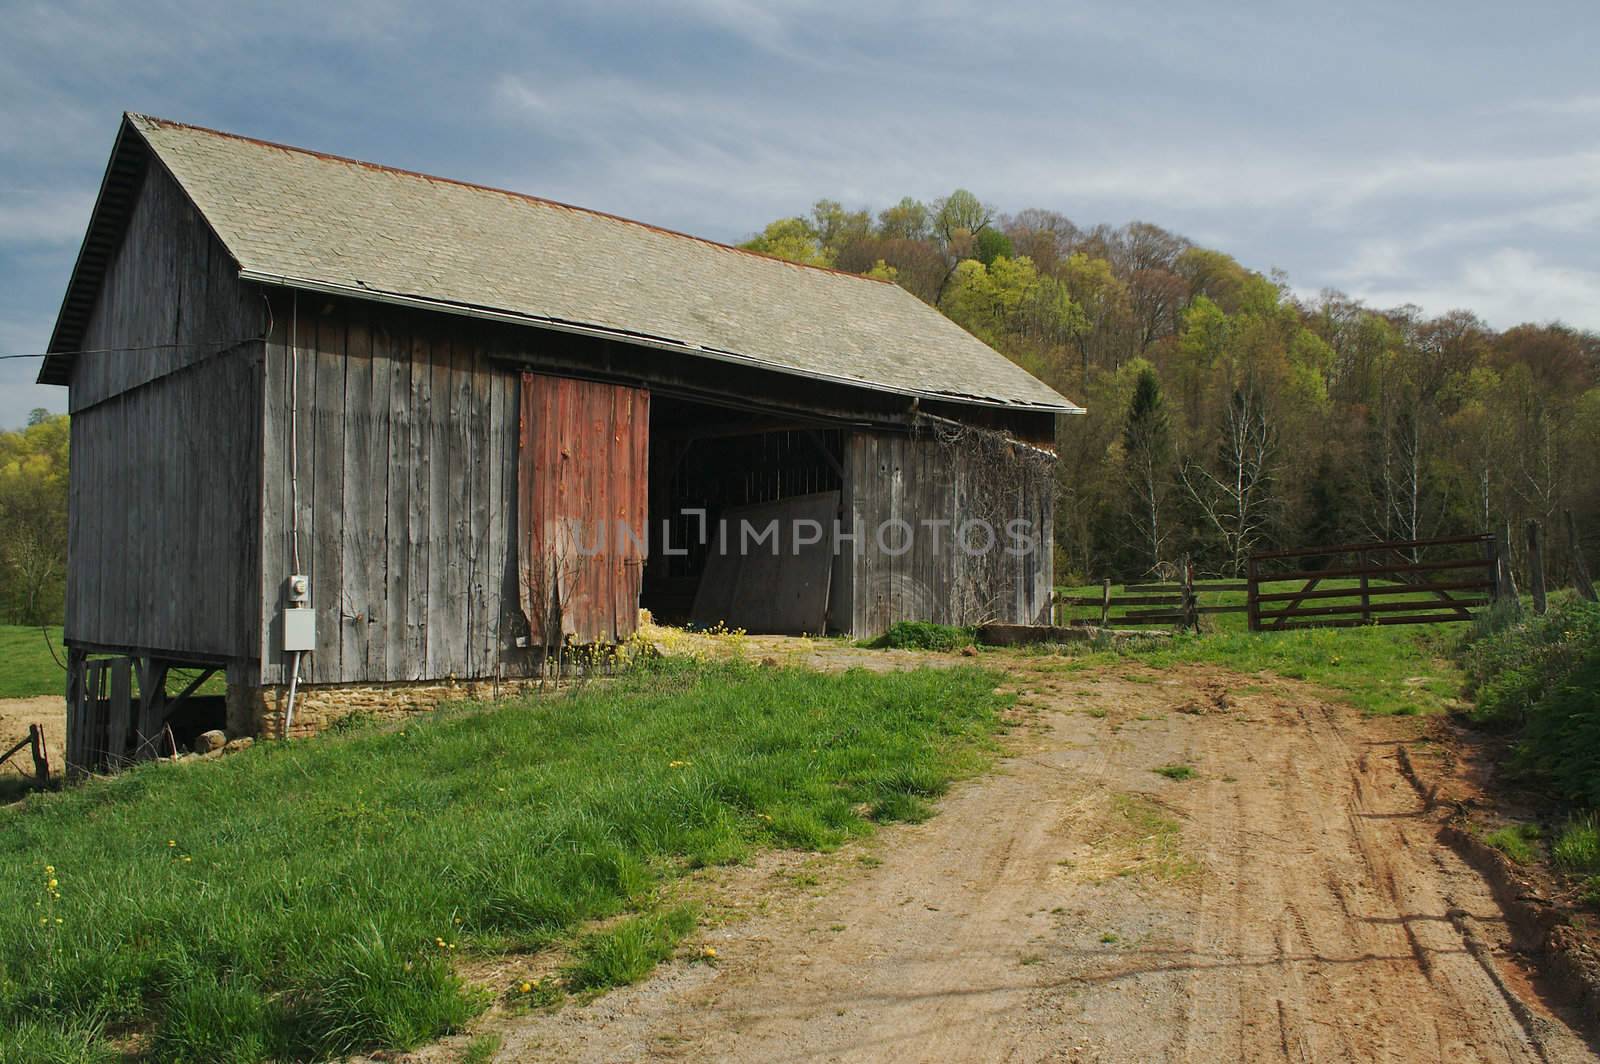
point(581, 501)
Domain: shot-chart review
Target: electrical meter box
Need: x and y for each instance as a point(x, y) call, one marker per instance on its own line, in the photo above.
point(300, 628)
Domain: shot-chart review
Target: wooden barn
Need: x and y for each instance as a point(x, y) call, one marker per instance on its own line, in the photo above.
point(360, 429)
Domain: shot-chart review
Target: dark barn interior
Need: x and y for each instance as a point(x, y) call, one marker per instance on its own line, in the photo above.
point(720, 460)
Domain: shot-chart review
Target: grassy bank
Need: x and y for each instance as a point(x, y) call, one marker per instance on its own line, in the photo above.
point(1539, 678)
point(306, 899)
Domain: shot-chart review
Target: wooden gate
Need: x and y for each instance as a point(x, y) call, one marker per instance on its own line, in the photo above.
point(1419, 581)
point(582, 477)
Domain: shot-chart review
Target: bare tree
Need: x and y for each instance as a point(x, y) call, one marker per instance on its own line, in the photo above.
point(1236, 497)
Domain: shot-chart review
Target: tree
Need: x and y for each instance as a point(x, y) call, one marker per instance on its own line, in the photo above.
point(1100, 295)
point(992, 244)
point(33, 521)
point(1147, 466)
point(909, 219)
point(1235, 494)
point(793, 239)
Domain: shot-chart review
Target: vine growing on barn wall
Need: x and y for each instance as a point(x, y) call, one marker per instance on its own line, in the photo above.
point(997, 480)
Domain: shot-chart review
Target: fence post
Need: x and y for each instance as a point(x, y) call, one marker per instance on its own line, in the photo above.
point(1105, 602)
point(1580, 571)
point(41, 757)
point(1252, 608)
point(1191, 619)
point(1536, 569)
point(1366, 590)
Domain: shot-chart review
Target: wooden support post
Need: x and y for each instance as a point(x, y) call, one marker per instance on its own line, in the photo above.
point(152, 707)
point(1105, 602)
point(119, 716)
point(1580, 570)
point(1536, 569)
point(74, 730)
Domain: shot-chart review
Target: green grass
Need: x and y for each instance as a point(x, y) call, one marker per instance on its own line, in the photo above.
point(307, 900)
point(1176, 772)
point(629, 951)
point(1382, 669)
point(481, 1050)
point(1576, 850)
point(26, 667)
point(925, 635)
point(1516, 841)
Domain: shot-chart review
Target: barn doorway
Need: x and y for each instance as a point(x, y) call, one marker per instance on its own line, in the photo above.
point(716, 470)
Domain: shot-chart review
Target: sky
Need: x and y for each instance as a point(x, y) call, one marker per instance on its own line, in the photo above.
point(1442, 154)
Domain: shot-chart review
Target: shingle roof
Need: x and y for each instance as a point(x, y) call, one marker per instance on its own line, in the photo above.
point(301, 218)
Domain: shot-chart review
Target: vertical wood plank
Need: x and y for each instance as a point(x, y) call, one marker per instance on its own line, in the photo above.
point(358, 592)
point(439, 514)
point(395, 344)
point(419, 523)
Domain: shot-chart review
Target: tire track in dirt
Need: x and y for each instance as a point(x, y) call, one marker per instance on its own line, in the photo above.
point(1290, 903)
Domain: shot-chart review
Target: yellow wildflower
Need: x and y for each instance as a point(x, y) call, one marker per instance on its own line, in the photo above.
point(709, 952)
point(526, 988)
point(172, 842)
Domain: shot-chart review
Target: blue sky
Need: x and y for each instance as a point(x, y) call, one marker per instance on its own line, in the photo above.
point(1446, 154)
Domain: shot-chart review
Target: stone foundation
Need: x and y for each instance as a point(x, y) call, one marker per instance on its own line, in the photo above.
point(259, 711)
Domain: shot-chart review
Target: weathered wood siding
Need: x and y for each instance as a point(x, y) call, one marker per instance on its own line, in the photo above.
point(164, 486)
point(171, 297)
point(406, 487)
point(896, 482)
point(582, 479)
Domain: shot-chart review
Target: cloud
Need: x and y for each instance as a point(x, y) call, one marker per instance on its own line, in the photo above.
point(1505, 287)
point(45, 216)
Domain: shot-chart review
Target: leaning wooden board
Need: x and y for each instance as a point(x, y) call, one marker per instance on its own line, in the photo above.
point(779, 585)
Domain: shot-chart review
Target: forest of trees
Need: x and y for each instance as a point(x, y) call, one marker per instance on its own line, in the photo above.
point(1226, 415)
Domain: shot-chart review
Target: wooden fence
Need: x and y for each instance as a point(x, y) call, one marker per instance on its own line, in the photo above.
point(1398, 582)
point(1176, 603)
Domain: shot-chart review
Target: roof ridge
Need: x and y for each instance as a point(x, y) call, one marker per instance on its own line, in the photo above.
point(528, 197)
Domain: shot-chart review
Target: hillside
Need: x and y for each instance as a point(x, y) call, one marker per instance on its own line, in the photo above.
point(1224, 413)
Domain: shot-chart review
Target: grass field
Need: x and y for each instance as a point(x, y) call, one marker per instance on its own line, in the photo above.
point(304, 900)
point(1383, 669)
point(26, 667)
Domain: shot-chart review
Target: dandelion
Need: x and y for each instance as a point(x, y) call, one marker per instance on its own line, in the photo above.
point(187, 859)
point(676, 764)
point(172, 842)
point(526, 988)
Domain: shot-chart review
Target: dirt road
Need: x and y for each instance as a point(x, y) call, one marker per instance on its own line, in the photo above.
point(1286, 901)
